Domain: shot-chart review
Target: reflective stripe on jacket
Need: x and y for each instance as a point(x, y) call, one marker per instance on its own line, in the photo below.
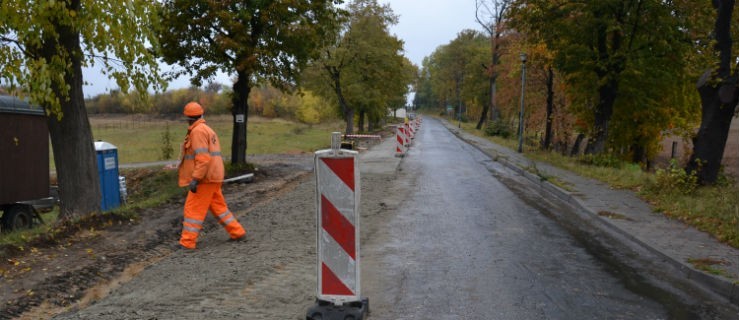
point(201, 155)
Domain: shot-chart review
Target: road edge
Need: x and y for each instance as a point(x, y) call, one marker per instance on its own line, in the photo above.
point(713, 284)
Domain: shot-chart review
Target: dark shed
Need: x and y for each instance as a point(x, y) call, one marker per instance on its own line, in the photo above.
point(24, 149)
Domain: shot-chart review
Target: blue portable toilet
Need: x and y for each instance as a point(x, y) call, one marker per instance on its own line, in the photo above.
point(107, 158)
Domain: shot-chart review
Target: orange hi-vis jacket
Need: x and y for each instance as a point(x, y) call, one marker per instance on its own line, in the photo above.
point(201, 156)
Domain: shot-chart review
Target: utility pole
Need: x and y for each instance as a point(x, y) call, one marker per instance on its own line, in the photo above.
point(459, 102)
point(523, 89)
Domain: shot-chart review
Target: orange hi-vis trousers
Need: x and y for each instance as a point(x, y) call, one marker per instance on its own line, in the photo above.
point(207, 196)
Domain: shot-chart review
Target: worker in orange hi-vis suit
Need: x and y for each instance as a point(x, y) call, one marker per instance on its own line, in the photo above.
point(201, 170)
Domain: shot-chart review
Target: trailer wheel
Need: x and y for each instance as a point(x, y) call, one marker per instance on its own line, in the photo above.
point(18, 216)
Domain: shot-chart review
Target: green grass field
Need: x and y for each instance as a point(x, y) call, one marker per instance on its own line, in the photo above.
point(140, 139)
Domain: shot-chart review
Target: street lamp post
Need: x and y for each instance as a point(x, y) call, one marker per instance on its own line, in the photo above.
point(523, 89)
point(459, 117)
point(459, 113)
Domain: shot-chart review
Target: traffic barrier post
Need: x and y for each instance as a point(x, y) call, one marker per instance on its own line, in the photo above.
point(406, 139)
point(399, 146)
point(338, 294)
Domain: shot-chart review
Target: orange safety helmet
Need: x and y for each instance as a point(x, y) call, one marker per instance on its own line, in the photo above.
point(193, 110)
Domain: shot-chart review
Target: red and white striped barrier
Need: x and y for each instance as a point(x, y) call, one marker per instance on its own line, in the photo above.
point(400, 143)
point(406, 138)
point(362, 136)
point(337, 199)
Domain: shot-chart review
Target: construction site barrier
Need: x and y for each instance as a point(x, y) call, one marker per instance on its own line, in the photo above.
point(337, 202)
point(399, 145)
point(362, 136)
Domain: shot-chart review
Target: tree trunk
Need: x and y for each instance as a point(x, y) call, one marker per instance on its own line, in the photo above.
point(710, 142)
point(495, 32)
point(360, 122)
point(71, 136)
point(483, 117)
point(576, 147)
point(240, 111)
point(603, 112)
point(608, 72)
point(550, 109)
point(492, 112)
point(345, 109)
point(373, 122)
point(607, 93)
point(349, 118)
point(371, 125)
point(718, 99)
point(639, 154)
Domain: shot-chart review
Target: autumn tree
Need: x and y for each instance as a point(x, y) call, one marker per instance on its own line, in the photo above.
point(256, 41)
point(490, 14)
point(454, 73)
point(541, 62)
point(382, 72)
point(43, 47)
point(717, 88)
point(424, 97)
point(363, 69)
point(617, 57)
point(540, 84)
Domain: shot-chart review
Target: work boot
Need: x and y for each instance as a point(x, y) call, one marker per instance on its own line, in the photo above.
point(239, 239)
point(178, 247)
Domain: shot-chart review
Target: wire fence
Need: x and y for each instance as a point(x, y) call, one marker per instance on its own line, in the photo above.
point(131, 122)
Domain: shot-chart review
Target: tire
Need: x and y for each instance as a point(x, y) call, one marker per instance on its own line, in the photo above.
point(18, 216)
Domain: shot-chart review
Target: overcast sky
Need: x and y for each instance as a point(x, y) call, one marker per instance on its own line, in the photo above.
point(424, 25)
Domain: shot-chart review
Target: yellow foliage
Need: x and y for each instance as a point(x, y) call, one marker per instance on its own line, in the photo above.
point(309, 110)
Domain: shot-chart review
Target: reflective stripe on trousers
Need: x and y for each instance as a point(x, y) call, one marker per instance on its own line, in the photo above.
point(208, 197)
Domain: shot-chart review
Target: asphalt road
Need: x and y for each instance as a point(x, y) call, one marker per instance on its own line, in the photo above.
point(464, 246)
point(447, 233)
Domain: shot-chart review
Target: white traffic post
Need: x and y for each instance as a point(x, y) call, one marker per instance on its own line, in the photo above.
point(337, 202)
point(399, 146)
point(406, 137)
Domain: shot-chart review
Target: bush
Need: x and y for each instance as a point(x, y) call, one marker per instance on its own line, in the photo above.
point(167, 149)
point(674, 179)
point(498, 128)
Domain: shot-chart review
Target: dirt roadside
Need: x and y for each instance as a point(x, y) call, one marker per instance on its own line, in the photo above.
point(43, 281)
point(68, 280)
point(47, 281)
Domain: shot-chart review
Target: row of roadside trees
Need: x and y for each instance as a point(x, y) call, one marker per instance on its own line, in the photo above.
point(266, 101)
point(619, 73)
point(334, 52)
